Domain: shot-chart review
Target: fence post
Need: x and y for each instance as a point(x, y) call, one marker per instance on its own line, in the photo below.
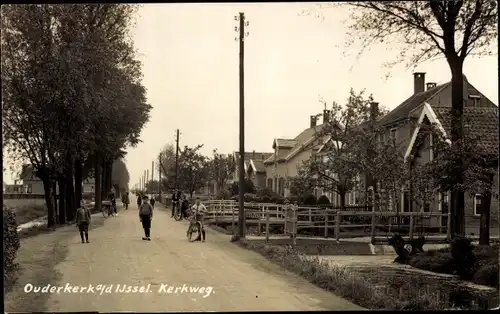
point(337, 226)
point(267, 226)
point(390, 224)
point(294, 225)
point(326, 223)
point(232, 221)
point(448, 227)
point(310, 217)
point(372, 233)
point(411, 225)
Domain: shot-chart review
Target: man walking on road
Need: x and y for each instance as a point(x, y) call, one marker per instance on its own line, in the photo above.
point(126, 200)
point(139, 200)
point(146, 215)
point(83, 221)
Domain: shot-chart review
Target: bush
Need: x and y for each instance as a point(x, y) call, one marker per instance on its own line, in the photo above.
point(309, 200)
point(483, 271)
point(323, 200)
point(487, 275)
point(11, 239)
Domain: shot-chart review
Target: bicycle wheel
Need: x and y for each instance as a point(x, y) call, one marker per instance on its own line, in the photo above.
point(104, 211)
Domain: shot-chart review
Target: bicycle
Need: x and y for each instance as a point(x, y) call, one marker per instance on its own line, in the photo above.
point(194, 226)
point(107, 209)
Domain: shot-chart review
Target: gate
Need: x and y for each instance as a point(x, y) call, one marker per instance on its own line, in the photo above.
point(291, 222)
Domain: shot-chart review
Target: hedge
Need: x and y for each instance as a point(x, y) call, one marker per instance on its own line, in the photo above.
point(11, 242)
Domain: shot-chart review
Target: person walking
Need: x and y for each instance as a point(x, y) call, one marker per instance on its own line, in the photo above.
point(145, 216)
point(125, 200)
point(152, 201)
point(139, 200)
point(83, 221)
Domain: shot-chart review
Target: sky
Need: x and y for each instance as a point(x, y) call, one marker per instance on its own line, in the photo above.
point(190, 66)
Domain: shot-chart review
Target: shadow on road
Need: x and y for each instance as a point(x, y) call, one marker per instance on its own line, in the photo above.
point(36, 264)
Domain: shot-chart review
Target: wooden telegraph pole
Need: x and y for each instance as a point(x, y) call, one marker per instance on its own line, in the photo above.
point(177, 159)
point(241, 164)
point(159, 177)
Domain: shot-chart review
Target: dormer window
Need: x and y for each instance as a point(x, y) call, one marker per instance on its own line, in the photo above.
point(475, 100)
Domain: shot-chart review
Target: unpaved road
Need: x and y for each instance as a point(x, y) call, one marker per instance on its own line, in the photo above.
point(234, 279)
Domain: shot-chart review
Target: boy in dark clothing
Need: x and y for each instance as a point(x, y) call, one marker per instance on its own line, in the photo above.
point(83, 221)
point(125, 200)
point(146, 215)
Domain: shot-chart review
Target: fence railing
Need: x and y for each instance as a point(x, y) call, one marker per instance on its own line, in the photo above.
point(331, 221)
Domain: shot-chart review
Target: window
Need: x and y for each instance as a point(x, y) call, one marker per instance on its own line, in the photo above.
point(475, 100)
point(477, 204)
point(443, 202)
point(393, 136)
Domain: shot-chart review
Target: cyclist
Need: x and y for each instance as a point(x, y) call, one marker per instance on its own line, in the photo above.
point(113, 201)
point(175, 200)
point(199, 212)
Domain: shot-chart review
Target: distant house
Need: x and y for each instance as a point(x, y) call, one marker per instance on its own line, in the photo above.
point(33, 185)
point(431, 103)
point(289, 154)
point(253, 167)
point(13, 188)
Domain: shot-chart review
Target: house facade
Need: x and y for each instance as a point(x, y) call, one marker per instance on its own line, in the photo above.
point(33, 185)
point(430, 104)
point(254, 167)
point(290, 154)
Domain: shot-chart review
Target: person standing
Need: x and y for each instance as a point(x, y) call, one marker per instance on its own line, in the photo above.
point(112, 198)
point(146, 215)
point(125, 200)
point(199, 211)
point(152, 201)
point(175, 201)
point(83, 221)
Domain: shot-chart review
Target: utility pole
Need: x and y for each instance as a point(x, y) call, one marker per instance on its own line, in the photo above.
point(144, 180)
point(147, 179)
point(159, 177)
point(241, 164)
point(177, 159)
point(152, 172)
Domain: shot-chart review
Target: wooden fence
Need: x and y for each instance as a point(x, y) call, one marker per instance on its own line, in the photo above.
point(332, 222)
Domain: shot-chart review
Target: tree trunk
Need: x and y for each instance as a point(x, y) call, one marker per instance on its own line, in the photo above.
point(49, 201)
point(109, 175)
point(78, 182)
point(54, 196)
point(342, 199)
point(62, 202)
point(70, 195)
point(484, 227)
point(457, 202)
point(98, 178)
point(104, 184)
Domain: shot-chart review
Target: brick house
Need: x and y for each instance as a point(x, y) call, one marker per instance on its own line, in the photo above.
point(431, 103)
point(289, 154)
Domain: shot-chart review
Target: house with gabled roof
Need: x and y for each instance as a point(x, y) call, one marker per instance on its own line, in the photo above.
point(431, 104)
point(254, 170)
point(290, 153)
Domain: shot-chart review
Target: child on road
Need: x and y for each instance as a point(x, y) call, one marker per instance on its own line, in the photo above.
point(146, 215)
point(83, 221)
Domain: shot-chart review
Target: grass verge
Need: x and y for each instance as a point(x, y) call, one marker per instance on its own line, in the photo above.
point(441, 261)
point(27, 213)
point(343, 281)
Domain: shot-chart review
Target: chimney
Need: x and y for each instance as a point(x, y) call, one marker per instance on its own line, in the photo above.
point(326, 116)
point(253, 155)
point(418, 82)
point(373, 111)
point(430, 85)
point(313, 121)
